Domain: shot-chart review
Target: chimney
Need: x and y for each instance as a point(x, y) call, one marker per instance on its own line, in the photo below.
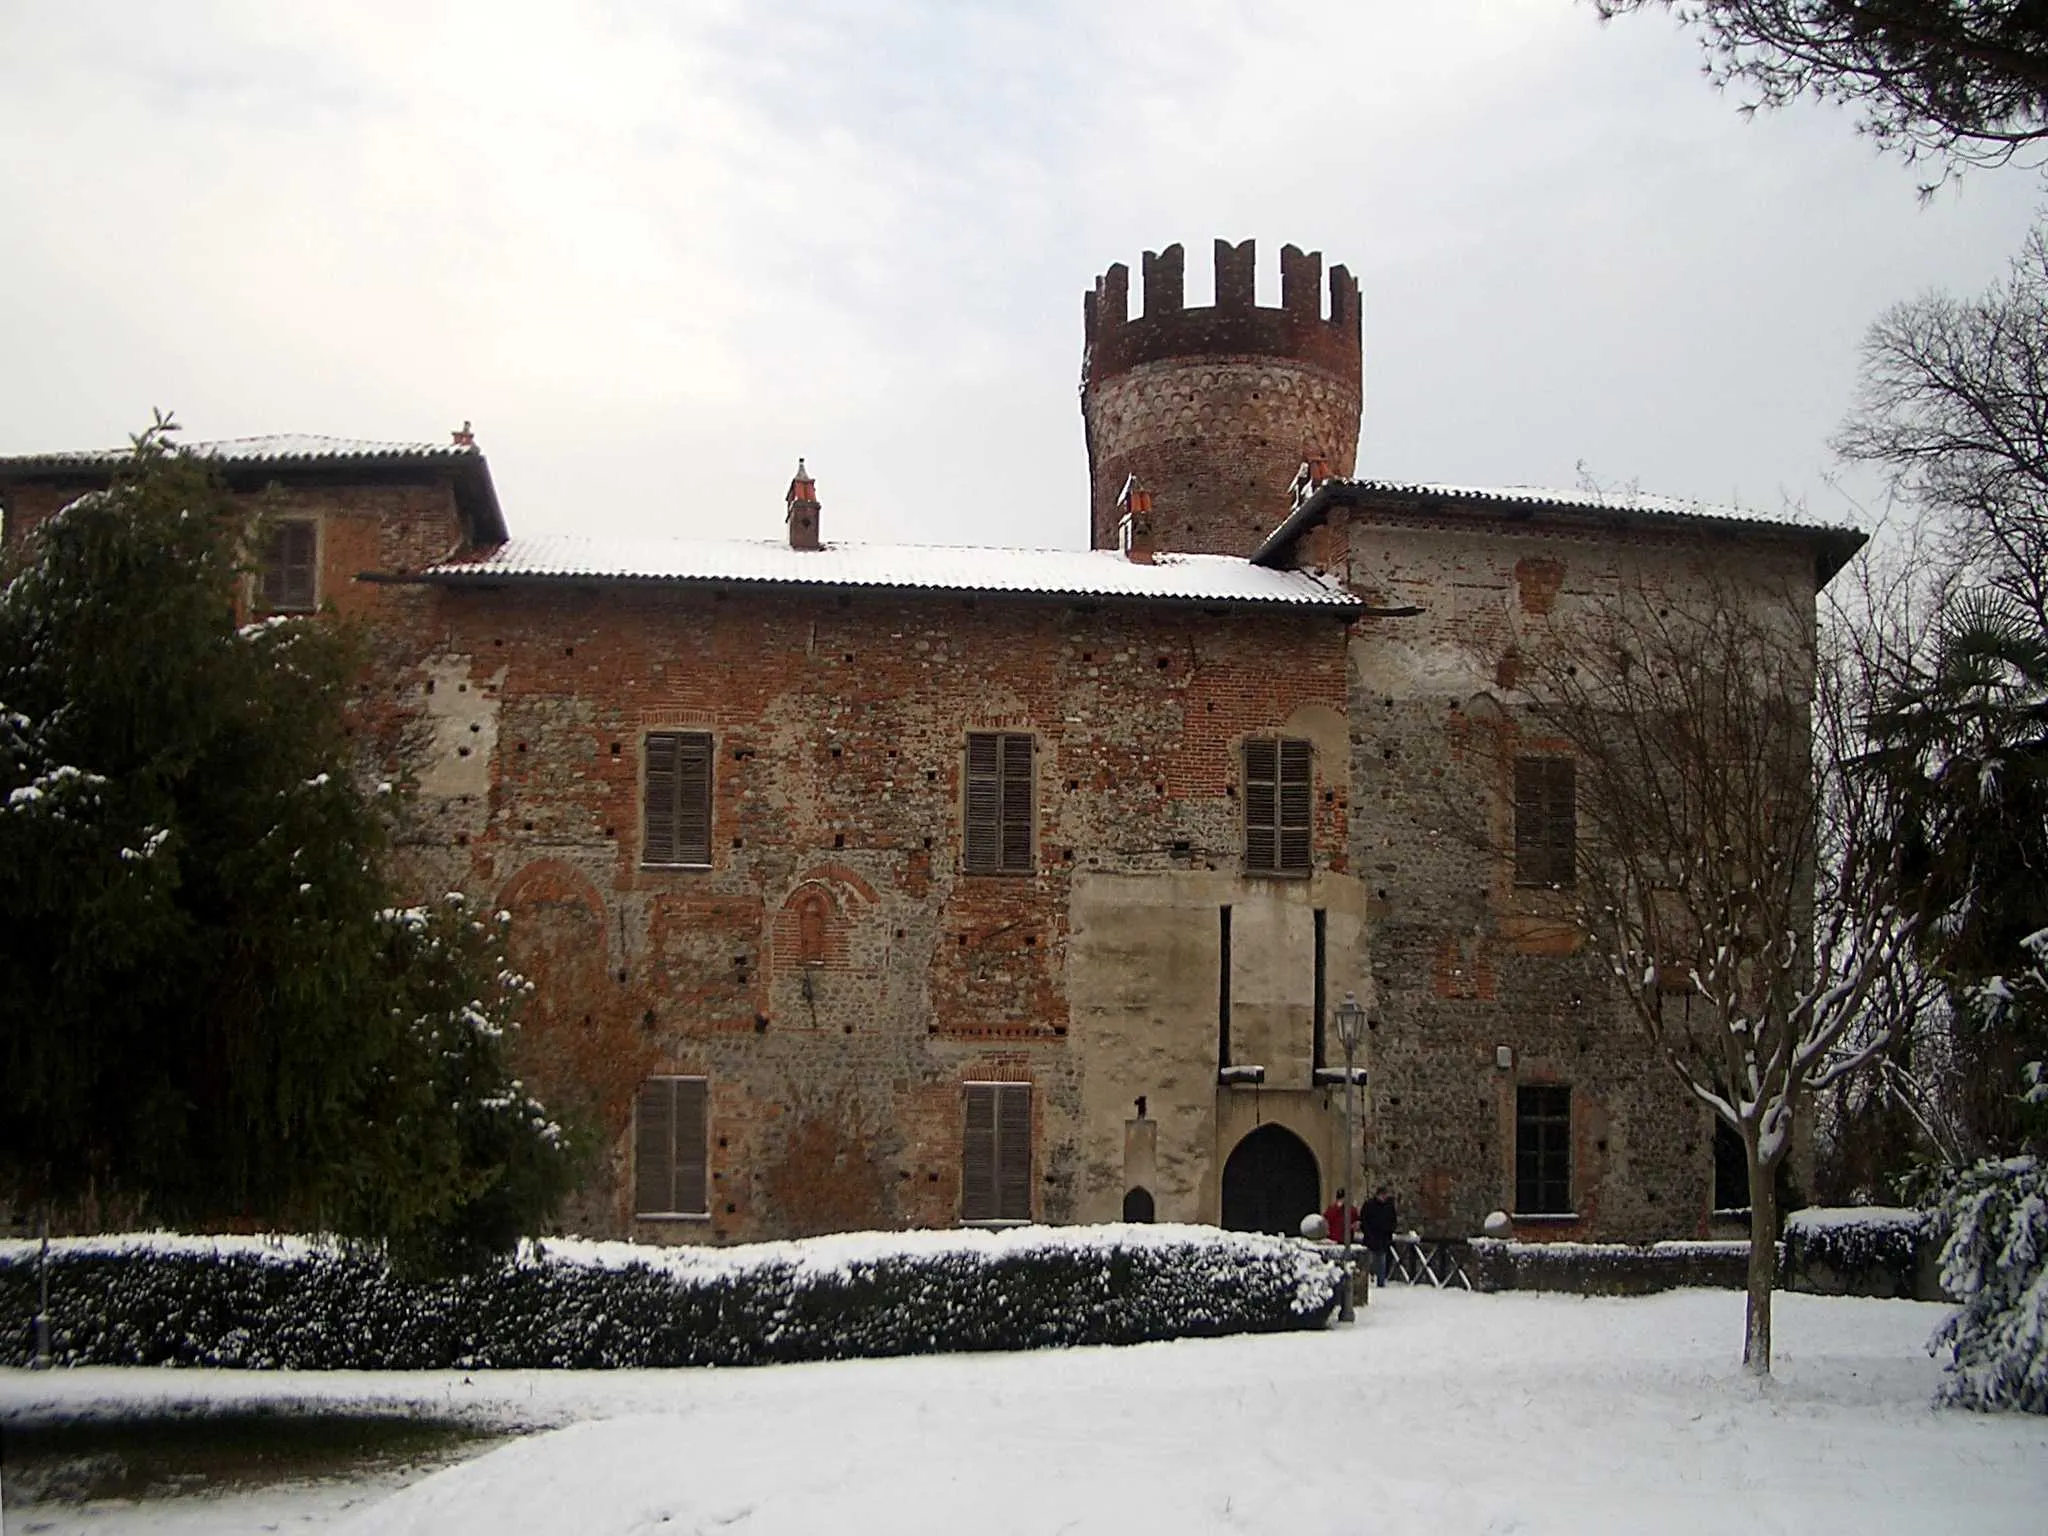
point(1134, 532)
point(1315, 469)
point(464, 438)
point(803, 510)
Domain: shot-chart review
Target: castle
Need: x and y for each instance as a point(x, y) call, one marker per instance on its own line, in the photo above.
point(877, 886)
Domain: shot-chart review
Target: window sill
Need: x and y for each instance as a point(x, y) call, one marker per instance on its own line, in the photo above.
point(1278, 874)
point(1545, 1218)
point(995, 1223)
point(1000, 874)
point(645, 865)
point(671, 1215)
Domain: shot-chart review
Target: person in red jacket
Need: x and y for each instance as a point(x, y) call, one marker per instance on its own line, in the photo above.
point(1339, 1218)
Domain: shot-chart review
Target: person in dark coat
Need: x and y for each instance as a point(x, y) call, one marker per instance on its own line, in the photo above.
point(1376, 1225)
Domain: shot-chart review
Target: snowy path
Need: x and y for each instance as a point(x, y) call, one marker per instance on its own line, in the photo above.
point(1458, 1413)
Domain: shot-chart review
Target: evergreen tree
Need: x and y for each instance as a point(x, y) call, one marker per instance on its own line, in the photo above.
point(210, 1009)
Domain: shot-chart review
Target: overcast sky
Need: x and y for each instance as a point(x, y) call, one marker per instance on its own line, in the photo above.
point(657, 250)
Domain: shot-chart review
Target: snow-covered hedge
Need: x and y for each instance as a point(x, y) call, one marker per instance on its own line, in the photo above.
point(1996, 1264)
point(1605, 1269)
point(1863, 1250)
point(283, 1303)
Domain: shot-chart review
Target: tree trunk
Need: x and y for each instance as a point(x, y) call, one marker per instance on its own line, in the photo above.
point(1763, 1265)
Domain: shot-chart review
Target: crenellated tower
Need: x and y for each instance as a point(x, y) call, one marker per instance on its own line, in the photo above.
point(1215, 409)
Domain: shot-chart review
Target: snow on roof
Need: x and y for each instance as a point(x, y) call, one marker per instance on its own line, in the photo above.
point(1835, 544)
point(1607, 501)
point(1042, 572)
point(281, 447)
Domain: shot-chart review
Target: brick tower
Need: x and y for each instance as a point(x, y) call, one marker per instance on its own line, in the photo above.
point(1215, 409)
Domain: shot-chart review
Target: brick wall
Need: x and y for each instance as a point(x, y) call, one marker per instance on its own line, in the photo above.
point(833, 973)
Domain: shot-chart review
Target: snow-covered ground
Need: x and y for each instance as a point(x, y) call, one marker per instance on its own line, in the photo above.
point(1437, 1412)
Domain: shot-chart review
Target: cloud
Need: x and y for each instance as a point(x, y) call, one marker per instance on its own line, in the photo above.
point(656, 252)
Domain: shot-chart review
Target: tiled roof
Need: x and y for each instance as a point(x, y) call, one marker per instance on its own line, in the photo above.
point(1833, 546)
point(278, 448)
point(1220, 579)
point(1537, 495)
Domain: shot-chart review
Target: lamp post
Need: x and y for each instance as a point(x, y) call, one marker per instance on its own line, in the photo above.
point(1350, 1026)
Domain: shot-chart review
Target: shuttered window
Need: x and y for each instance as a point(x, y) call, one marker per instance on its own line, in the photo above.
point(1543, 1150)
point(997, 835)
point(995, 1159)
point(1546, 820)
point(1279, 784)
point(676, 828)
point(669, 1176)
point(288, 578)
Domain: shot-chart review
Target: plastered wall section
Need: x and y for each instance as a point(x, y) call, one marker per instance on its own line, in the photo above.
point(1146, 965)
point(1467, 966)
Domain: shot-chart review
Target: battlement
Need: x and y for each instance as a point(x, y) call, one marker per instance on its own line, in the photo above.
point(1236, 325)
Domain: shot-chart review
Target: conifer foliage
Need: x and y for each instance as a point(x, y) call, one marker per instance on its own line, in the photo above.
point(212, 1008)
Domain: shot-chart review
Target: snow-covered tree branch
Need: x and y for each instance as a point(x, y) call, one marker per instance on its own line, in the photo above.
point(1725, 867)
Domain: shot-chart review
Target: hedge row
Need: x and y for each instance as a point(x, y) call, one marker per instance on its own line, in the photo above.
point(298, 1306)
point(1864, 1251)
point(1606, 1269)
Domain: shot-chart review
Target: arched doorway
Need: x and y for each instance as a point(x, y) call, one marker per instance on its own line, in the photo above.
point(1270, 1182)
point(1138, 1204)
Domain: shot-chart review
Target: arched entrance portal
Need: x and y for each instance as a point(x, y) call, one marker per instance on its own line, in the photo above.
point(1270, 1183)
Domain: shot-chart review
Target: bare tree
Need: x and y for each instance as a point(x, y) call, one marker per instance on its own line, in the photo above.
point(1962, 81)
point(1953, 402)
point(1721, 861)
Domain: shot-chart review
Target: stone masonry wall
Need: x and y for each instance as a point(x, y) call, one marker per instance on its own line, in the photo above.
point(1464, 962)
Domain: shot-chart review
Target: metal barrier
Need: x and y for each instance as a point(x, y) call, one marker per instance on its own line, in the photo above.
point(1433, 1262)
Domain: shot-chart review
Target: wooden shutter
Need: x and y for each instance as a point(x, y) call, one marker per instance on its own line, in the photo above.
point(290, 571)
point(978, 1155)
point(1546, 820)
point(983, 833)
point(1561, 820)
point(693, 799)
point(669, 1159)
point(1013, 1152)
point(995, 1155)
point(658, 823)
point(1297, 801)
point(1017, 804)
point(1261, 805)
point(654, 1144)
point(676, 820)
point(692, 1177)
point(996, 837)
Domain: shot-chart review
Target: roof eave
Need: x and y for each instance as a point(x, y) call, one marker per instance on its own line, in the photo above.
point(1345, 610)
point(476, 495)
point(1833, 548)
